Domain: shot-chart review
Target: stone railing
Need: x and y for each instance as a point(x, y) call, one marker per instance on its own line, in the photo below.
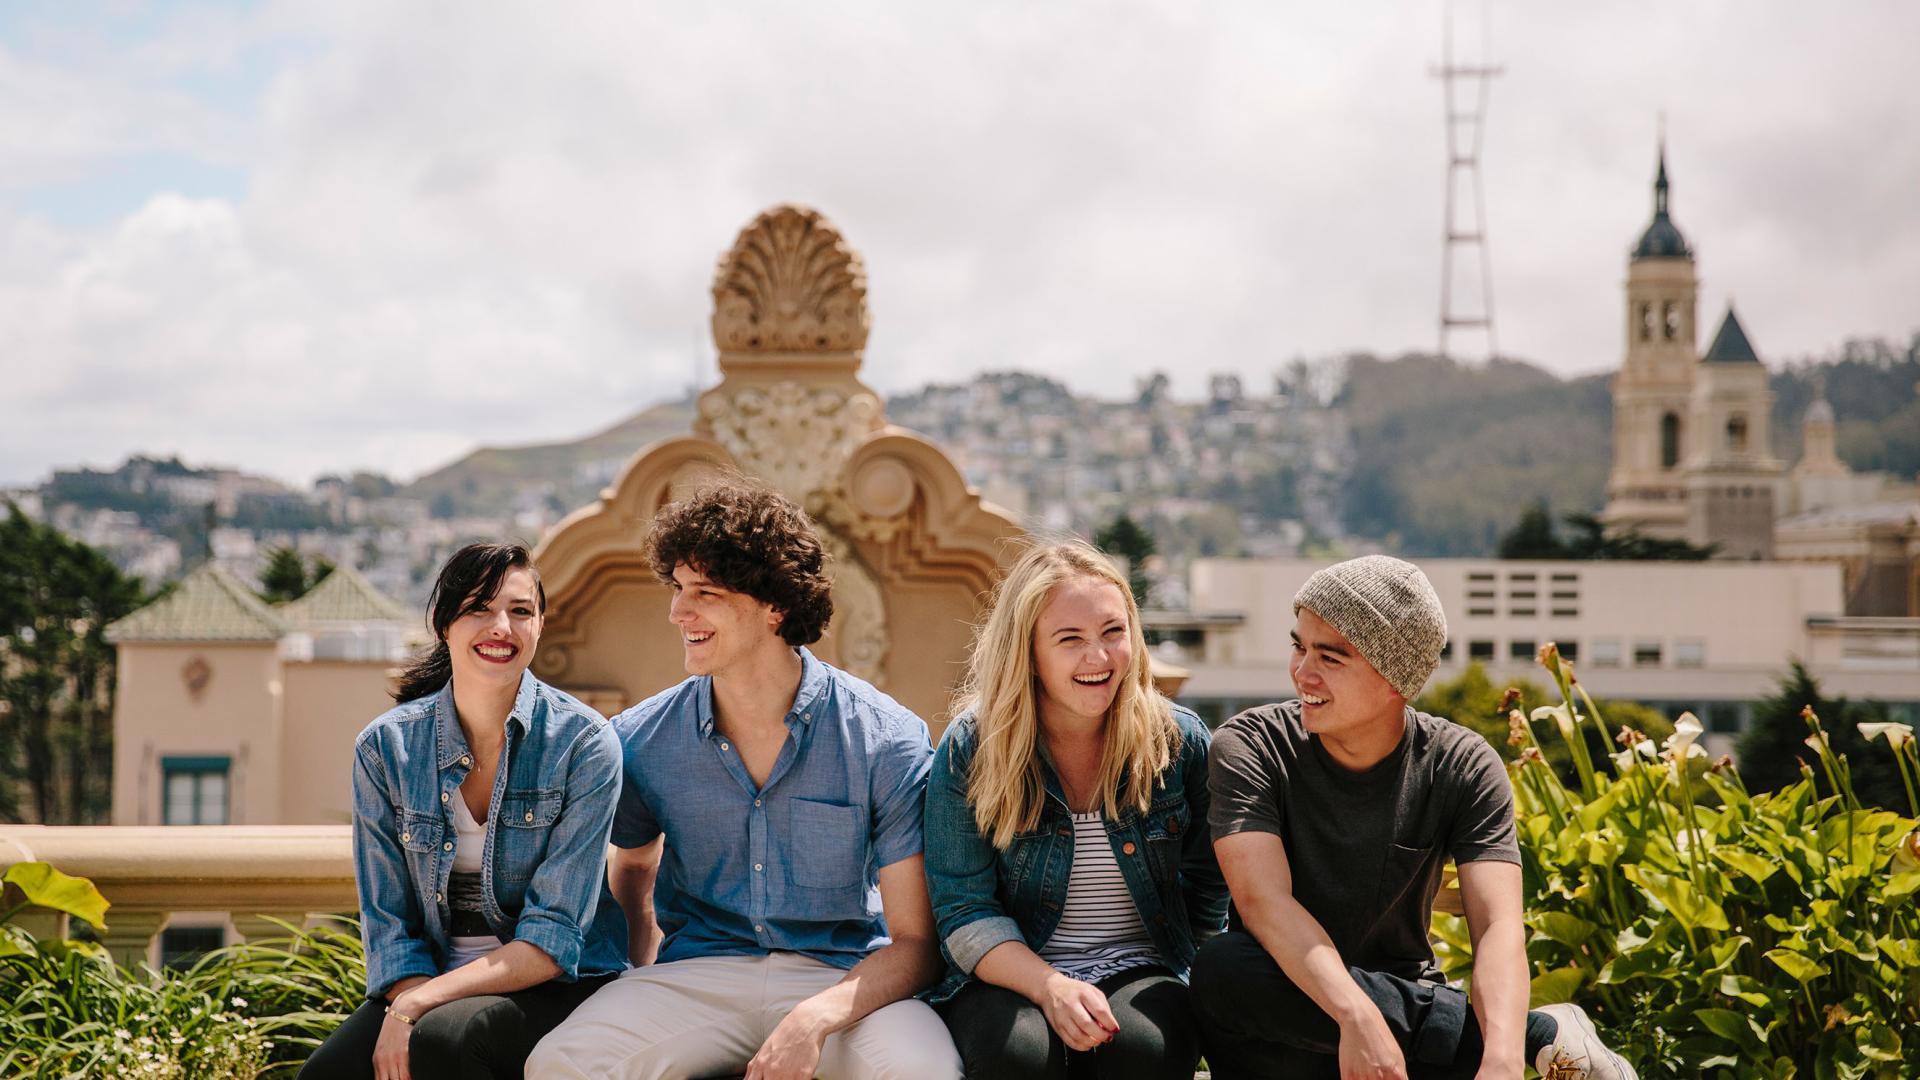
point(149, 873)
point(253, 873)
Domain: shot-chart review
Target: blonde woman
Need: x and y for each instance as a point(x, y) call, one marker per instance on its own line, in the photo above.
point(1067, 853)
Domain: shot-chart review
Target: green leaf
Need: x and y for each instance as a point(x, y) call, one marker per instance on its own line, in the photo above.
point(1688, 905)
point(1902, 884)
point(1802, 969)
point(1554, 987)
point(1746, 862)
point(46, 887)
point(1735, 1027)
point(1904, 951)
point(1566, 929)
point(1744, 988)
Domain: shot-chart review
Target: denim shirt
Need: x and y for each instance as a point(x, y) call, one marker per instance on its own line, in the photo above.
point(790, 865)
point(983, 897)
point(544, 877)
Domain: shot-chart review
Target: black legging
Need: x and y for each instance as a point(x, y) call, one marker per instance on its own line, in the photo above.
point(483, 1038)
point(1000, 1034)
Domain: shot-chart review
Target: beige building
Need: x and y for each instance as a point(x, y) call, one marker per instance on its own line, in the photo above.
point(1692, 455)
point(1707, 637)
point(231, 711)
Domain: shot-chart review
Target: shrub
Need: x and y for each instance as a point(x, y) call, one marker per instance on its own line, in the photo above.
point(1707, 930)
point(251, 1010)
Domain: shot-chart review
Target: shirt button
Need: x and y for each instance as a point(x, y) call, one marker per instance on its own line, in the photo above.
point(756, 928)
point(449, 846)
point(806, 716)
point(756, 868)
point(1126, 848)
point(529, 815)
point(465, 760)
point(756, 802)
point(724, 746)
point(405, 836)
point(436, 898)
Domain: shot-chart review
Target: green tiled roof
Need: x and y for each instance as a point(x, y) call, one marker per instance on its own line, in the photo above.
point(208, 604)
point(344, 596)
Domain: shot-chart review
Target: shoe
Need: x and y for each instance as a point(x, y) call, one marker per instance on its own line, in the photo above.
point(1577, 1053)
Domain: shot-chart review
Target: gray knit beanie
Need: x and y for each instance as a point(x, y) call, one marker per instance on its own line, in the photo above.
point(1388, 610)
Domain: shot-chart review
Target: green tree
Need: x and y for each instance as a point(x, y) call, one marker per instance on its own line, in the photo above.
point(57, 596)
point(1774, 745)
point(1124, 537)
point(1533, 536)
point(288, 577)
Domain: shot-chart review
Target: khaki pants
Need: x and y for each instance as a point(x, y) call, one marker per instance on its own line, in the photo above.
point(708, 1016)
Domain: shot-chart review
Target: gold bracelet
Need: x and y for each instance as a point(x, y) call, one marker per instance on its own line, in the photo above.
point(402, 1017)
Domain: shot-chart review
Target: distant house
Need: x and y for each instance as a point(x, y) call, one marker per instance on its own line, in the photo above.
point(233, 711)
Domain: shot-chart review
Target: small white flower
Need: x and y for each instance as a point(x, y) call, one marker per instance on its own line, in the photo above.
point(1896, 734)
point(239, 1002)
point(1563, 716)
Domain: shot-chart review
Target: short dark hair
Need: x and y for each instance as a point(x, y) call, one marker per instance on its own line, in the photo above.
point(466, 583)
point(755, 541)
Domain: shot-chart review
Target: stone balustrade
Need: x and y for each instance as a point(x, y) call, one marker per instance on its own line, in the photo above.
point(252, 873)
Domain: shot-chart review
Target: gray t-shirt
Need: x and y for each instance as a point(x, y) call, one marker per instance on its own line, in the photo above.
point(1365, 848)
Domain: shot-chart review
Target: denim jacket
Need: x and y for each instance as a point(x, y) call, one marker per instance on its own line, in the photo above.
point(983, 897)
point(544, 878)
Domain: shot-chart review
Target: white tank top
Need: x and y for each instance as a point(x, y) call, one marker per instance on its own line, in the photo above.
point(463, 889)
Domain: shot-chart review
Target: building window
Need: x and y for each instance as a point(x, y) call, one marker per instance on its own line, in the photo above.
point(1725, 716)
point(1479, 650)
point(1669, 440)
point(1646, 654)
point(1480, 613)
point(194, 790)
point(1737, 433)
point(181, 947)
point(1522, 650)
point(1606, 652)
point(1569, 650)
point(1646, 321)
point(1446, 651)
point(1689, 652)
point(1671, 320)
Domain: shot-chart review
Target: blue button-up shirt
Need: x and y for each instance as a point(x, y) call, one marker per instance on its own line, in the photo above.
point(791, 865)
point(544, 878)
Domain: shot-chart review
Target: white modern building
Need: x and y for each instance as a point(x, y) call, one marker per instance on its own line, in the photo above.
point(1710, 637)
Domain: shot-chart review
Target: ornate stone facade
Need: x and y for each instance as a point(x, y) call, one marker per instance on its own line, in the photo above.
point(912, 545)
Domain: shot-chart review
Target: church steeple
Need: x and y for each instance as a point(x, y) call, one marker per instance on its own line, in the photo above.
point(1662, 240)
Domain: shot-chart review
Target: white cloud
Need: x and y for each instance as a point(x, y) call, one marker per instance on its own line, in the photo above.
point(491, 223)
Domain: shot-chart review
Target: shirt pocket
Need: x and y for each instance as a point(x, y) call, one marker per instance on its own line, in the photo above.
point(526, 823)
point(829, 846)
point(1404, 867)
point(420, 837)
point(1165, 828)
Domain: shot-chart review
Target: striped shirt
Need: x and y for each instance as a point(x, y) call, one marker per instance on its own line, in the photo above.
point(1100, 932)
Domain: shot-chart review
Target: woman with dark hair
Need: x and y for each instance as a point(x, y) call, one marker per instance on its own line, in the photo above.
point(481, 807)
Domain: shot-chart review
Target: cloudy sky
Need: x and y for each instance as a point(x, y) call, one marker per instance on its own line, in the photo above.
point(307, 237)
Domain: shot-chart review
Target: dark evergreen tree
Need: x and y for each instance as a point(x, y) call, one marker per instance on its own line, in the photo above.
point(1533, 536)
point(1772, 748)
point(288, 577)
point(57, 596)
point(1124, 537)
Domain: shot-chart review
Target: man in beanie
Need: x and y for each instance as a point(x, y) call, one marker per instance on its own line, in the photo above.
point(1332, 815)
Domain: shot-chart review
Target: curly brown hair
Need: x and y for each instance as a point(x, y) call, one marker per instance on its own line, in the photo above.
point(753, 540)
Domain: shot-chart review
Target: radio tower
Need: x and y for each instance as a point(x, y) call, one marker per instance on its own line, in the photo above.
point(1465, 87)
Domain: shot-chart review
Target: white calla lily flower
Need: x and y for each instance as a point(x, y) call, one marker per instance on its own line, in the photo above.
point(1896, 734)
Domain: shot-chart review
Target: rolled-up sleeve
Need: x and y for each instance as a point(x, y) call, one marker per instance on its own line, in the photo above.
point(392, 923)
point(565, 889)
point(963, 876)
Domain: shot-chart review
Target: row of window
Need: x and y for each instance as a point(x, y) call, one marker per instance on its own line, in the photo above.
point(1528, 594)
point(1599, 652)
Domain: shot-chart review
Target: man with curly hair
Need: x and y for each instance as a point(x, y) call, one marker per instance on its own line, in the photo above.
point(767, 841)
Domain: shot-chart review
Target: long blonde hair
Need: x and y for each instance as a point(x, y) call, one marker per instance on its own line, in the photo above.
point(1001, 691)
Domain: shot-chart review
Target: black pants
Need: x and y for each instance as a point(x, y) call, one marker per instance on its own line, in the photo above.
point(482, 1038)
point(1000, 1034)
point(1255, 1022)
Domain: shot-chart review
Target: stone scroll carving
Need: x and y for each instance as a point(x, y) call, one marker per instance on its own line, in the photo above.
point(793, 436)
point(790, 284)
point(859, 613)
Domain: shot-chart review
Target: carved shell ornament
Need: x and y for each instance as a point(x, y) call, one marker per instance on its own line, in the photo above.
point(794, 437)
point(790, 284)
